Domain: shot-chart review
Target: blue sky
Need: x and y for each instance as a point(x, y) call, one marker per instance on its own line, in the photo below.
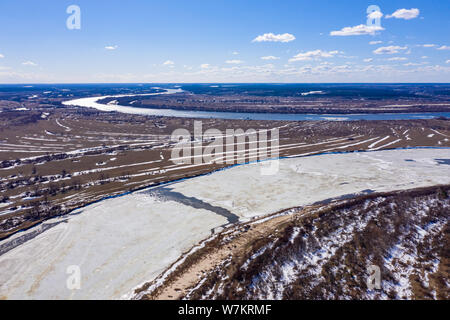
point(224, 41)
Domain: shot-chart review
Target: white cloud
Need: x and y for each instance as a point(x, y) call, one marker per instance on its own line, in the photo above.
point(397, 59)
point(443, 48)
point(389, 50)
point(234, 61)
point(406, 14)
point(375, 15)
point(424, 57)
point(168, 63)
point(235, 53)
point(368, 60)
point(412, 64)
point(360, 30)
point(270, 58)
point(375, 42)
point(111, 47)
point(315, 54)
point(1, 56)
point(205, 66)
point(448, 61)
point(270, 37)
point(428, 45)
point(309, 71)
point(29, 63)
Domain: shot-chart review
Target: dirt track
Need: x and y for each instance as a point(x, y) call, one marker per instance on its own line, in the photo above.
point(233, 241)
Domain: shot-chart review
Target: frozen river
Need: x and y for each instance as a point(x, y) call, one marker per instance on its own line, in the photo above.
point(92, 102)
point(119, 243)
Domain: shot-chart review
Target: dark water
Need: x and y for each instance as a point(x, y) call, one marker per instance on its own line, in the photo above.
point(296, 117)
point(169, 195)
point(443, 161)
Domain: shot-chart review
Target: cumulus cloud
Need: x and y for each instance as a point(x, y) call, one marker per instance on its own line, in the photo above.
point(1, 56)
point(406, 14)
point(389, 50)
point(375, 42)
point(270, 58)
point(29, 63)
point(359, 30)
point(313, 55)
point(443, 48)
point(168, 63)
point(270, 37)
point(234, 61)
point(111, 47)
point(368, 60)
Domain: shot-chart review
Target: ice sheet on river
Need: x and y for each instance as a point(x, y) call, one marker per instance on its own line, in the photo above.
point(120, 243)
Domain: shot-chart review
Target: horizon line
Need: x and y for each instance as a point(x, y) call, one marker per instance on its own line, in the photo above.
point(171, 83)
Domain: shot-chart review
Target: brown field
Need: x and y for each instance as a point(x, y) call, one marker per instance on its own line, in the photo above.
point(53, 160)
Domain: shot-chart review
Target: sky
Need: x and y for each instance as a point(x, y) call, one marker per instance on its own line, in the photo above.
point(301, 41)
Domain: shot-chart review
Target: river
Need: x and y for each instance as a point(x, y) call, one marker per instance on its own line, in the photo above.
point(119, 243)
point(92, 102)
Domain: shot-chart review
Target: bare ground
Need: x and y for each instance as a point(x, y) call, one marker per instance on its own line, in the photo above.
point(71, 157)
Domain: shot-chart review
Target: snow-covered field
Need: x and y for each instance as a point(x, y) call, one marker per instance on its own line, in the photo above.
point(122, 242)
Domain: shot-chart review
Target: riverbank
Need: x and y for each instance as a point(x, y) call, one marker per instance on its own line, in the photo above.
point(262, 259)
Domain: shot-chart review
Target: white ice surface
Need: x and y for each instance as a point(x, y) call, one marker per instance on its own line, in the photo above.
point(245, 192)
point(120, 243)
point(117, 244)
